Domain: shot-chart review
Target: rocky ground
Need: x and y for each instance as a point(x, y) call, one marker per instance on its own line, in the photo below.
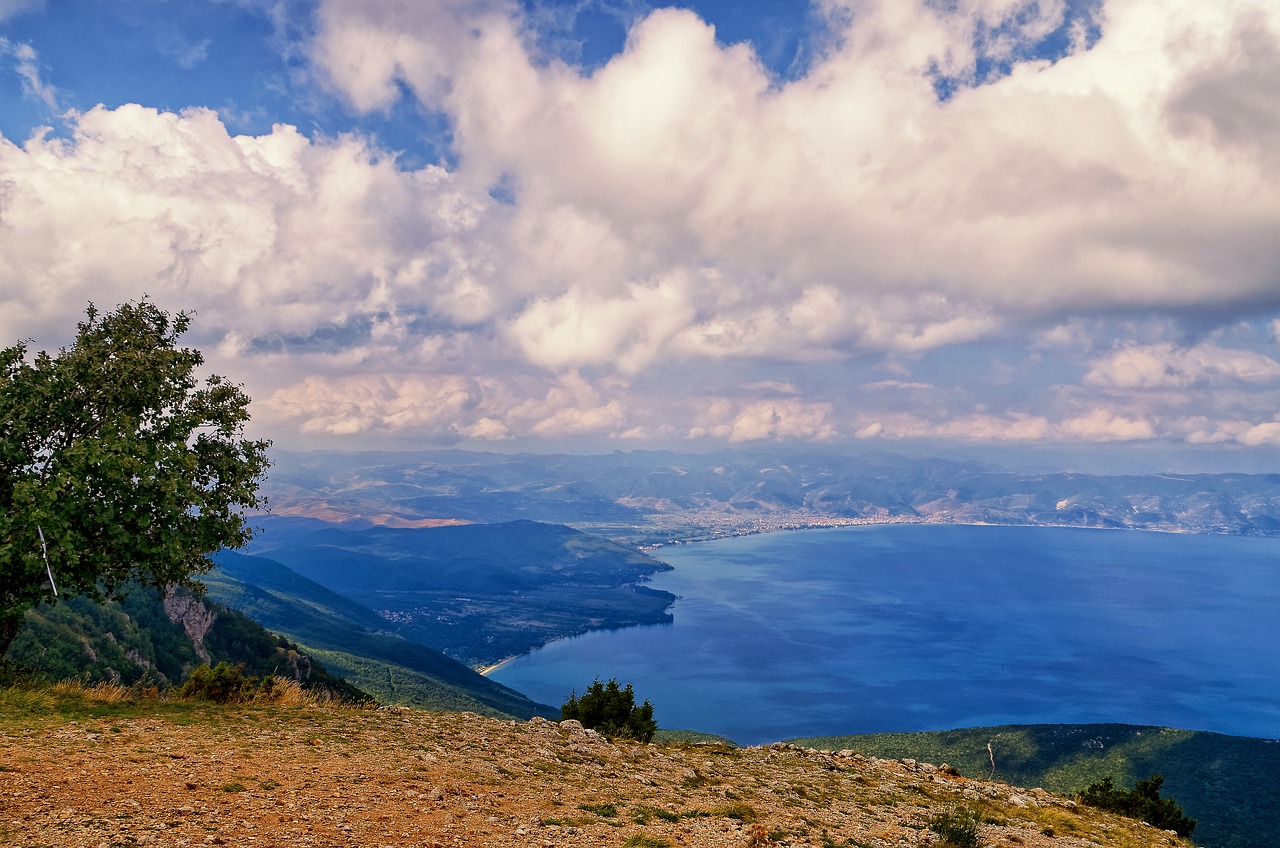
point(317, 776)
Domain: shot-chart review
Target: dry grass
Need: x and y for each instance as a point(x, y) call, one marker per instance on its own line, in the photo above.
point(42, 696)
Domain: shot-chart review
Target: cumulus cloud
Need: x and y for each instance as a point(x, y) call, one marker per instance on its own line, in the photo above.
point(1103, 425)
point(1052, 188)
point(680, 207)
point(1165, 365)
point(779, 419)
point(268, 234)
point(1200, 430)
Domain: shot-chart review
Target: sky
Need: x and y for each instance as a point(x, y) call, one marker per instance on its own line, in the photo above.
point(1020, 227)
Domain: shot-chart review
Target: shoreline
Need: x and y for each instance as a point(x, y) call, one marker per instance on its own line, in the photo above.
point(836, 523)
point(485, 671)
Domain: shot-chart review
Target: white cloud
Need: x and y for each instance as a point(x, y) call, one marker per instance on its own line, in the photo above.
point(1103, 425)
point(780, 419)
point(268, 234)
point(357, 405)
point(1266, 433)
point(680, 212)
point(1201, 430)
point(578, 328)
point(1012, 427)
point(12, 8)
point(28, 66)
point(1165, 365)
point(1055, 188)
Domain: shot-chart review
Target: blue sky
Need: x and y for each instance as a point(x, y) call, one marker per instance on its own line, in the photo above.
point(993, 227)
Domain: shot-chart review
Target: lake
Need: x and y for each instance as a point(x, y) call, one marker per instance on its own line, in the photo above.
point(930, 627)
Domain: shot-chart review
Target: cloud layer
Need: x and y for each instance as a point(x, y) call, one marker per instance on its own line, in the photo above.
point(650, 249)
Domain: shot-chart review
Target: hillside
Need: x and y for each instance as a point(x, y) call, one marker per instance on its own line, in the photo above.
point(144, 638)
point(165, 773)
point(479, 592)
point(1215, 778)
point(354, 642)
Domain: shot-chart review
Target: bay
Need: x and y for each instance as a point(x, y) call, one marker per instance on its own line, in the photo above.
point(928, 627)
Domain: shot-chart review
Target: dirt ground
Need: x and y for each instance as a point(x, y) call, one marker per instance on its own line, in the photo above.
point(315, 776)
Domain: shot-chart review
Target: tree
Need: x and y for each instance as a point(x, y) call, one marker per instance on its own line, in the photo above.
point(612, 711)
point(117, 462)
point(1142, 802)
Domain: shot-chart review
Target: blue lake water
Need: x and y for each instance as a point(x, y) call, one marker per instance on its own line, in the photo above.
point(926, 627)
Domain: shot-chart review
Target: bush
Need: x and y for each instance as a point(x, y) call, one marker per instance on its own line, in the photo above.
point(225, 684)
point(956, 829)
point(1142, 802)
point(611, 710)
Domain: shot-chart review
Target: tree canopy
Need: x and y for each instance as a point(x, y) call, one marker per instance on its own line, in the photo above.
point(612, 710)
point(1141, 802)
point(117, 462)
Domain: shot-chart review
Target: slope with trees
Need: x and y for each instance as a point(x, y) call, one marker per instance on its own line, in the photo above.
point(117, 463)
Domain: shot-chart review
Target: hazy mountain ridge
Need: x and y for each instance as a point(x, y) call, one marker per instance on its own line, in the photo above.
point(650, 497)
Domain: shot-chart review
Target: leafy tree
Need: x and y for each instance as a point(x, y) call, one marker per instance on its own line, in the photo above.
point(117, 463)
point(1142, 802)
point(612, 710)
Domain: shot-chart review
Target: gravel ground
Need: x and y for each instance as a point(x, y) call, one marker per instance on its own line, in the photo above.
point(301, 776)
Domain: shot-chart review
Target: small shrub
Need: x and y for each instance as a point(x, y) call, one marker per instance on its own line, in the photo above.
point(644, 840)
point(223, 683)
point(227, 684)
point(607, 811)
point(744, 813)
point(612, 710)
point(956, 829)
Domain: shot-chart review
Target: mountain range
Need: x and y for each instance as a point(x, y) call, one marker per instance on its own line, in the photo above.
point(653, 497)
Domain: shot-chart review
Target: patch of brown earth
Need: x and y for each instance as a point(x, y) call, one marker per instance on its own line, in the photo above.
point(311, 776)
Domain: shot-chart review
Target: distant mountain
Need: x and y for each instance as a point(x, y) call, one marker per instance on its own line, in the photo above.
point(478, 592)
point(650, 497)
point(1227, 783)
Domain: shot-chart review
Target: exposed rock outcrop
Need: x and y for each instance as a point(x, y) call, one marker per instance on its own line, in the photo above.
point(196, 619)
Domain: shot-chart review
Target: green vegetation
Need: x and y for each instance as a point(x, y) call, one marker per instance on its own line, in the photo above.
point(957, 828)
point(133, 640)
point(1214, 777)
point(31, 702)
point(643, 840)
point(480, 592)
point(392, 683)
point(116, 463)
point(612, 710)
point(227, 684)
point(690, 737)
point(1142, 802)
point(345, 636)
